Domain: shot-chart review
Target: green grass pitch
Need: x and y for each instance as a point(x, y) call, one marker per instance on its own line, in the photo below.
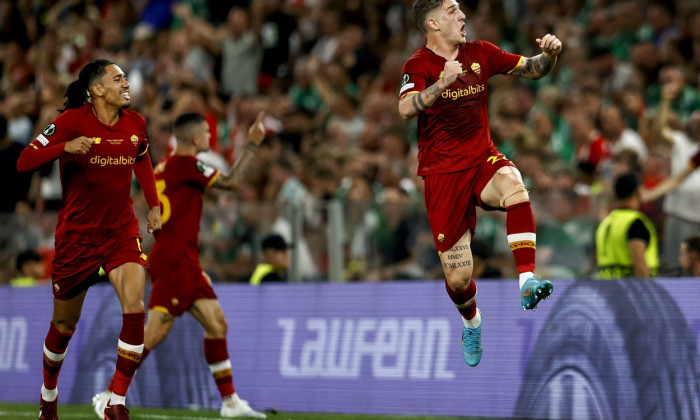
point(16, 411)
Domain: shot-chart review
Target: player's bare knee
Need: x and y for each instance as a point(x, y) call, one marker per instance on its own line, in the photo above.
point(458, 279)
point(65, 326)
point(519, 194)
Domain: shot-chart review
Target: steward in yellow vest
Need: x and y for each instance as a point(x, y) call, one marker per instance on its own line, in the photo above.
point(627, 245)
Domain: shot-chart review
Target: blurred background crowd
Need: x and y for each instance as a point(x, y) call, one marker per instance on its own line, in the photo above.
point(336, 175)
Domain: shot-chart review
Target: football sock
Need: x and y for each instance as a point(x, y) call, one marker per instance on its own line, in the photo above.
point(117, 399)
point(523, 277)
point(465, 301)
point(49, 395)
point(55, 346)
point(129, 352)
point(143, 357)
point(216, 355)
point(474, 322)
point(520, 227)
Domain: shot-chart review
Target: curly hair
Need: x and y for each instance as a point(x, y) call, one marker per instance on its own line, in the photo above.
point(78, 93)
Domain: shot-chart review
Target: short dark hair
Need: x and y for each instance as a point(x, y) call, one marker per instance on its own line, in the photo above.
point(183, 125)
point(421, 8)
point(274, 241)
point(25, 257)
point(626, 185)
point(692, 243)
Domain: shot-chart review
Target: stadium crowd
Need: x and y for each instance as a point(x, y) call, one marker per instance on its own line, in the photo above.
point(624, 96)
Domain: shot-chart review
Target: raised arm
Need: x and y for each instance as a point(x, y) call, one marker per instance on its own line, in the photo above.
point(672, 182)
point(415, 103)
point(540, 65)
point(256, 134)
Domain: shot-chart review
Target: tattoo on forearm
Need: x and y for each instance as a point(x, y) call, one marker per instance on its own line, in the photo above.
point(244, 161)
point(423, 106)
point(526, 70)
point(433, 90)
point(414, 102)
point(543, 65)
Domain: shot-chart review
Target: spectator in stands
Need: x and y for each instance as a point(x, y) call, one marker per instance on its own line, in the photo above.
point(275, 261)
point(16, 186)
point(690, 255)
point(30, 269)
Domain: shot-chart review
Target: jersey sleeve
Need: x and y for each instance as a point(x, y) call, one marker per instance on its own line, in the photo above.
point(638, 231)
point(142, 137)
point(414, 79)
point(49, 144)
point(202, 174)
point(497, 60)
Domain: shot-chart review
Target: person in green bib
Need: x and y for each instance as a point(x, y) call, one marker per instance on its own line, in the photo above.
point(627, 245)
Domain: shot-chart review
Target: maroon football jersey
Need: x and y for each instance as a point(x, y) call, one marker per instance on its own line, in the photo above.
point(181, 181)
point(453, 134)
point(97, 185)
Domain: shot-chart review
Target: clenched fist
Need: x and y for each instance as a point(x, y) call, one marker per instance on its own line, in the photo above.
point(79, 146)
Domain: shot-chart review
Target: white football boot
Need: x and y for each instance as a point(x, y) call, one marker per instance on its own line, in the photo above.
point(99, 402)
point(234, 407)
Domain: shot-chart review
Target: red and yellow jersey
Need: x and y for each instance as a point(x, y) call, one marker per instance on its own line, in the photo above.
point(453, 134)
point(180, 181)
point(97, 185)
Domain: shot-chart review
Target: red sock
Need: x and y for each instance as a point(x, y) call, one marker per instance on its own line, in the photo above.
point(520, 227)
point(128, 351)
point(461, 299)
point(216, 354)
point(143, 357)
point(55, 346)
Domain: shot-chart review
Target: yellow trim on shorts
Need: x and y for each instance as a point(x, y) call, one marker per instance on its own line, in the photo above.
point(161, 309)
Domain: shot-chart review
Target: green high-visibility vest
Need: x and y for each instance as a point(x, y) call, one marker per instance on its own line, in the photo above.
point(612, 252)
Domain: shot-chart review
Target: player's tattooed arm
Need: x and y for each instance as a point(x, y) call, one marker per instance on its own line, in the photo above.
point(540, 65)
point(535, 67)
point(256, 134)
point(412, 105)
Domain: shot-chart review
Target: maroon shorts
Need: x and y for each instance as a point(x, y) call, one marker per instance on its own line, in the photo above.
point(177, 287)
point(451, 200)
point(76, 265)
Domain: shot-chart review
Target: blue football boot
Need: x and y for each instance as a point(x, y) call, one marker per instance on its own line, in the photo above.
point(471, 345)
point(533, 291)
